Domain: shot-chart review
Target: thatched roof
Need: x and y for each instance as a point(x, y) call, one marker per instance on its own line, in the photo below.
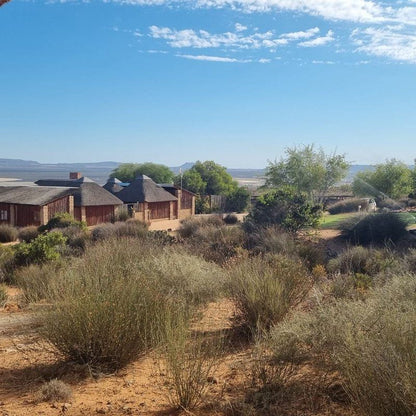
point(86, 193)
point(113, 185)
point(32, 195)
point(143, 189)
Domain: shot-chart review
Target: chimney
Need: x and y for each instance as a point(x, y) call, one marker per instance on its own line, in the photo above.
point(75, 175)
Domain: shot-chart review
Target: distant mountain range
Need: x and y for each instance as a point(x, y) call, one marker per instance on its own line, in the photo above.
point(29, 170)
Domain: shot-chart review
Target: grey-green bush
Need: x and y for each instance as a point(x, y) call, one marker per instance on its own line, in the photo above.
point(264, 289)
point(8, 233)
point(27, 234)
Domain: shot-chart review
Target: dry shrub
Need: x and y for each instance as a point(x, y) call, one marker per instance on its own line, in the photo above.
point(190, 226)
point(265, 288)
point(55, 391)
point(6, 263)
point(364, 260)
point(190, 362)
point(27, 234)
point(35, 279)
point(348, 205)
point(107, 307)
point(130, 228)
point(369, 343)
point(8, 233)
point(3, 295)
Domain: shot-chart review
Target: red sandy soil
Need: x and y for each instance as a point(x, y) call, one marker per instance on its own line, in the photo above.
point(26, 362)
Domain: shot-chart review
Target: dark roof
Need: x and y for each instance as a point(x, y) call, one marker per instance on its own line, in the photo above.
point(172, 188)
point(114, 185)
point(86, 192)
point(143, 189)
point(32, 195)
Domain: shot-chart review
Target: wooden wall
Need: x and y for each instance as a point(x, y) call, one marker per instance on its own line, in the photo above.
point(159, 210)
point(58, 206)
point(99, 214)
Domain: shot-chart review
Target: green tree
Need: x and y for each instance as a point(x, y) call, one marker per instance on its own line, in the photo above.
point(192, 181)
point(127, 172)
point(286, 207)
point(391, 179)
point(237, 201)
point(307, 170)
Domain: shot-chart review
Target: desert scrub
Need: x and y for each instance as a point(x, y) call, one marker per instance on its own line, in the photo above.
point(27, 234)
point(369, 343)
point(54, 391)
point(265, 288)
point(6, 263)
point(107, 308)
point(62, 220)
point(3, 295)
point(190, 226)
point(35, 279)
point(190, 361)
point(8, 233)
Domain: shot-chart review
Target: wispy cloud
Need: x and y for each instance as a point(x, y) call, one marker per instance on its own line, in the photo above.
point(320, 41)
point(200, 39)
point(213, 58)
point(386, 42)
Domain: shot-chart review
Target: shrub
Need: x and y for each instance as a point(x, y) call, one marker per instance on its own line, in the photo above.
point(369, 343)
point(55, 391)
point(27, 234)
point(190, 226)
point(290, 209)
point(77, 238)
point(237, 200)
point(6, 263)
point(130, 228)
point(3, 295)
point(377, 229)
point(230, 219)
point(103, 232)
point(61, 220)
point(264, 289)
point(190, 362)
point(122, 215)
point(8, 233)
point(108, 306)
point(42, 249)
point(363, 260)
point(348, 205)
point(35, 279)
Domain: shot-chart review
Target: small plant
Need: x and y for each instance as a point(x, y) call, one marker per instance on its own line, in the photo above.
point(122, 215)
point(8, 233)
point(27, 234)
point(55, 391)
point(6, 263)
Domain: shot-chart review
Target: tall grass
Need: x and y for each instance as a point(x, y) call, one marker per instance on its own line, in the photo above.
point(8, 233)
point(265, 288)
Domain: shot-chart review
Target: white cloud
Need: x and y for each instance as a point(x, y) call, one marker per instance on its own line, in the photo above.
point(240, 28)
point(302, 34)
point(264, 61)
point(323, 62)
point(200, 39)
point(323, 40)
point(213, 58)
point(386, 42)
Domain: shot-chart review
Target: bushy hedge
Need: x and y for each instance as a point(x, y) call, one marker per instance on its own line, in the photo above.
point(380, 228)
point(348, 205)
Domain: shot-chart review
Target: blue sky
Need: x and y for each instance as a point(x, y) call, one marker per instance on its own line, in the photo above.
point(235, 81)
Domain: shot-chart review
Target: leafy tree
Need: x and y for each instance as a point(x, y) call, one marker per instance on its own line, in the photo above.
point(307, 170)
point(127, 172)
point(192, 181)
point(286, 207)
point(208, 178)
point(237, 201)
point(390, 179)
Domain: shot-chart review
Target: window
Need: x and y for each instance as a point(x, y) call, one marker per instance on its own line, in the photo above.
point(3, 215)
